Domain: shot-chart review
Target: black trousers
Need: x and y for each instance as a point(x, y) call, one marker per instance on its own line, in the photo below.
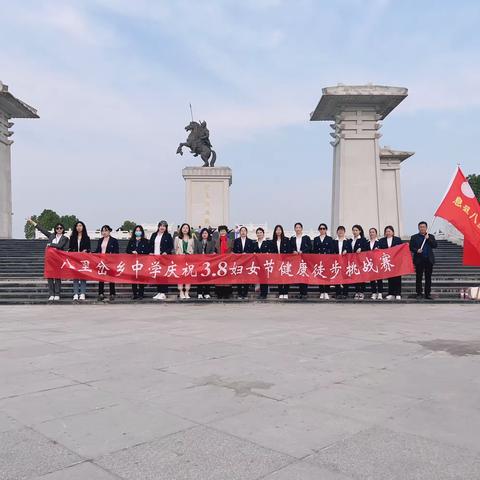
point(341, 290)
point(376, 286)
point(242, 289)
point(395, 286)
point(138, 289)
point(101, 288)
point(264, 290)
point(303, 288)
point(283, 289)
point(223, 291)
point(324, 288)
point(424, 265)
point(203, 289)
point(162, 288)
point(359, 287)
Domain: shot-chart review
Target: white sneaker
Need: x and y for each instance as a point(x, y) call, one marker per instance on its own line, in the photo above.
point(156, 297)
point(56, 298)
point(187, 295)
point(182, 295)
point(361, 296)
point(326, 296)
point(355, 297)
point(285, 297)
point(162, 296)
point(207, 296)
point(200, 296)
point(379, 296)
point(75, 298)
point(390, 297)
point(82, 297)
point(51, 298)
point(374, 296)
point(398, 297)
point(322, 296)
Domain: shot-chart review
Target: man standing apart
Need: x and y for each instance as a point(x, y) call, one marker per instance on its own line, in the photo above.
point(422, 245)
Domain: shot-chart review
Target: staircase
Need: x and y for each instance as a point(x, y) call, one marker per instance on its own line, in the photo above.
point(21, 276)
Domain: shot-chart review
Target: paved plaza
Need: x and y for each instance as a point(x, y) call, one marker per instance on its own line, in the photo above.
point(240, 392)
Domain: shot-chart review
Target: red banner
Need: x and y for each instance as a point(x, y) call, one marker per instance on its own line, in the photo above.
point(231, 268)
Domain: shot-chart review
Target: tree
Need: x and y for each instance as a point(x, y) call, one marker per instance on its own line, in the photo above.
point(128, 225)
point(29, 229)
point(474, 181)
point(48, 219)
point(68, 221)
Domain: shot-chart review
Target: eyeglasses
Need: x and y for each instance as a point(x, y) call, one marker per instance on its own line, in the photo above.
point(58, 228)
point(322, 228)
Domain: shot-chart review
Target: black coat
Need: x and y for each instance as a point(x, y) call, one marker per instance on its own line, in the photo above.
point(285, 246)
point(416, 242)
point(360, 243)
point(346, 247)
point(209, 247)
point(305, 246)
point(323, 247)
point(143, 246)
point(376, 245)
point(238, 247)
point(112, 246)
point(382, 243)
point(166, 243)
point(84, 244)
point(265, 247)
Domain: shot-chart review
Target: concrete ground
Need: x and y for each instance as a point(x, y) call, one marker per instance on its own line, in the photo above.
point(234, 392)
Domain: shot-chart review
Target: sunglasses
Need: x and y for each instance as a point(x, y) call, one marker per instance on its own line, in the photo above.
point(58, 228)
point(322, 228)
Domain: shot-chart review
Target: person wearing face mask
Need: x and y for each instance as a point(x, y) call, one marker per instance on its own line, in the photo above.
point(161, 243)
point(204, 246)
point(223, 245)
point(56, 239)
point(394, 283)
point(184, 245)
point(281, 244)
point(138, 245)
point(323, 244)
point(341, 246)
point(79, 242)
point(359, 244)
point(422, 245)
point(262, 246)
point(374, 244)
point(243, 244)
point(107, 244)
point(301, 243)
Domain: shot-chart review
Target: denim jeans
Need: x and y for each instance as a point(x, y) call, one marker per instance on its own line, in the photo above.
point(79, 286)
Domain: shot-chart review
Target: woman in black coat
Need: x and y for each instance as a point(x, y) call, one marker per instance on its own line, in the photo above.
point(262, 246)
point(138, 245)
point(374, 244)
point(359, 244)
point(323, 244)
point(281, 244)
point(394, 283)
point(241, 245)
point(161, 243)
point(106, 245)
point(79, 242)
point(204, 246)
point(341, 246)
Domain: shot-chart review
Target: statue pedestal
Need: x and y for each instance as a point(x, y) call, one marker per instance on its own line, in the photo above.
point(207, 195)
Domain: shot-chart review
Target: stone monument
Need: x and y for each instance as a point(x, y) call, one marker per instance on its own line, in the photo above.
point(10, 107)
point(366, 178)
point(207, 188)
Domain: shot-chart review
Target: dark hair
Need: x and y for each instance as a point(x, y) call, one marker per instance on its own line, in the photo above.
point(373, 228)
point(389, 227)
point(205, 230)
point(362, 233)
point(74, 235)
point(106, 227)
point(260, 229)
point(282, 236)
point(298, 223)
point(133, 232)
point(323, 225)
point(60, 225)
point(243, 228)
point(222, 227)
point(180, 233)
point(341, 227)
point(164, 223)
point(423, 222)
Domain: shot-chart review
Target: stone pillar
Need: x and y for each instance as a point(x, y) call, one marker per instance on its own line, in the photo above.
point(391, 211)
point(10, 107)
point(207, 195)
point(356, 186)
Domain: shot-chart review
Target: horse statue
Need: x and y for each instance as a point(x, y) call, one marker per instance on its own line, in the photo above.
point(198, 141)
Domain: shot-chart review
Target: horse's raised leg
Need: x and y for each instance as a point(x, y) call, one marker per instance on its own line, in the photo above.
point(179, 149)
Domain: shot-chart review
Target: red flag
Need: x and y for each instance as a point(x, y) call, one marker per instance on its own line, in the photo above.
point(460, 207)
point(471, 256)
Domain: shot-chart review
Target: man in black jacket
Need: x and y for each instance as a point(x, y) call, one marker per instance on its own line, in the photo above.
point(422, 245)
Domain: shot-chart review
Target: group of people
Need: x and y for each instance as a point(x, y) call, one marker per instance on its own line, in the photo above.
point(186, 242)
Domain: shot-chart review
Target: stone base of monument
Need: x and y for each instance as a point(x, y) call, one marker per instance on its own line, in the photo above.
point(207, 195)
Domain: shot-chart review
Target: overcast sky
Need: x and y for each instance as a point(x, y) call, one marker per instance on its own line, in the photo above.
point(112, 80)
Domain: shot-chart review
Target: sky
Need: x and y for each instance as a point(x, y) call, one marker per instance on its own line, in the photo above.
point(112, 81)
